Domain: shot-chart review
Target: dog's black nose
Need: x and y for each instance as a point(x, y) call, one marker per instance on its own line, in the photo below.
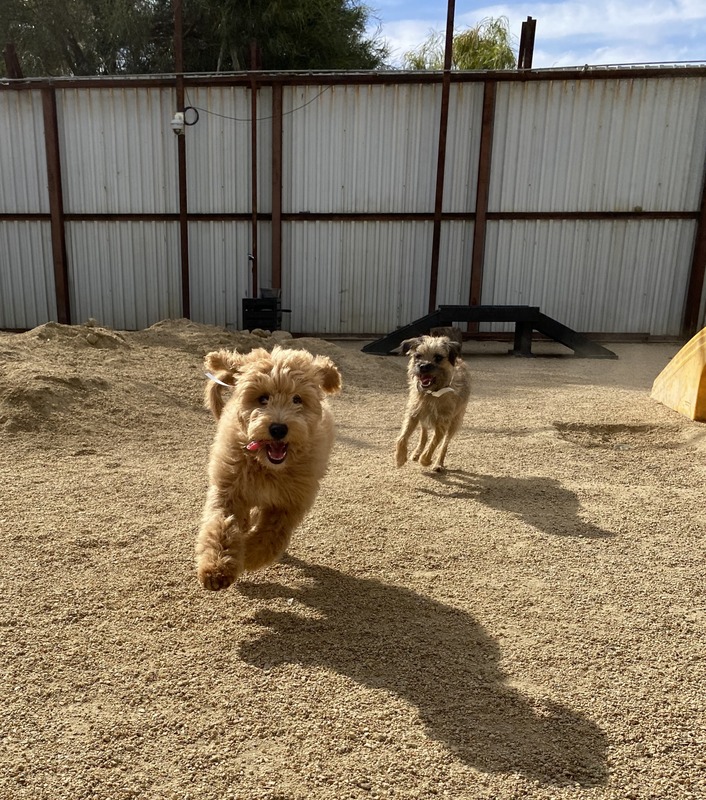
point(278, 430)
point(426, 367)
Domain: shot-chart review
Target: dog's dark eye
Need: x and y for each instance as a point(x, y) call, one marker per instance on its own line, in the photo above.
point(296, 399)
point(263, 399)
point(438, 359)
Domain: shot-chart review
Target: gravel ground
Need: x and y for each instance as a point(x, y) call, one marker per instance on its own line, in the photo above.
point(530, 624)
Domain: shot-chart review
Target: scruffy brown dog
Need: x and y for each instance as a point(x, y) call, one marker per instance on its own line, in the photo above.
point(268, 457)
point(439, 388)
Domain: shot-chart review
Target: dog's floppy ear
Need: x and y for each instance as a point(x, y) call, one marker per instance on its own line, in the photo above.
point(224, 361)
point(454, 351)
point(221, 366)
point(328, 374)
point(410, 344)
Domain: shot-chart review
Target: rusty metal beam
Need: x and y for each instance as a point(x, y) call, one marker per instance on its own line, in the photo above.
point(253, 185)
point(695, 288)
point(482, 192)
point(13, 68)
point(56, 207)
point(441, 156)
point(181, 161)
point(277, 187)
point(526, 50)
point(390, 78)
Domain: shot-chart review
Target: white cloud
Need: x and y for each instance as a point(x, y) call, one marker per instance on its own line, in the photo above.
point(609, 19)
point(406, 35)
point(574, 32)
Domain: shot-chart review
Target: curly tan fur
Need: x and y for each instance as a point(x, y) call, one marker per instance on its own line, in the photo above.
point(439, 388)
point(270, 452)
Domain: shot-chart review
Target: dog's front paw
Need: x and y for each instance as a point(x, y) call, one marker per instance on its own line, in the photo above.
point(425, 459)
point(215, 576)
point(439, 468)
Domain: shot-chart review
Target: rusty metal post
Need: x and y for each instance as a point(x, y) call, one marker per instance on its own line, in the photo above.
point(56, 206)
point(13, 68)
point(253, 183)
point(441, 156)
point(697, 273)
point(181, 160)
point(277, 186)
point(526, 51)
point(482, 192)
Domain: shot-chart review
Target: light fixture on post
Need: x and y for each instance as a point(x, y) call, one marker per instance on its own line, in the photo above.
point(177, 123)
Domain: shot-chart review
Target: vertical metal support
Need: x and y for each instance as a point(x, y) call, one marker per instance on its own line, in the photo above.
point(697, 273)
point(181, 158)
point(277, 186)
point(522, 345)
point(482, 192)
point(13, 68)
point(526, 52)
point(441, 157)
point(56, 206)
point(253, 181)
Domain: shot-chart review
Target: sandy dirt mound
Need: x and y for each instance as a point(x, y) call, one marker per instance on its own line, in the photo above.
point(530, 624)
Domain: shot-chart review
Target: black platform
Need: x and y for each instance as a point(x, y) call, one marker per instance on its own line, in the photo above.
point(526, 318)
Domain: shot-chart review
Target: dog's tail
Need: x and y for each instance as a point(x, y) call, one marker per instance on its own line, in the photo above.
point(221, 368)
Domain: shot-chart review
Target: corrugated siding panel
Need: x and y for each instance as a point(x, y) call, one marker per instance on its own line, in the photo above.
point(620, 145)
point(119, 151)
point(135, 281)
point(27, 296)
point(218, 150)
point(612, 276)
point(462, 147)
point(360, 148)
point(221, 272)
point(563, 146)
point(455, 256)
point(355, 277)
point(23, 161)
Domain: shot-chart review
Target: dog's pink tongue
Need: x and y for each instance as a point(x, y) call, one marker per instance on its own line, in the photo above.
point(254, 446)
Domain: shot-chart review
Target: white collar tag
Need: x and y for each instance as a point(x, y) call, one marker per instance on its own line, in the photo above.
point(212, 377)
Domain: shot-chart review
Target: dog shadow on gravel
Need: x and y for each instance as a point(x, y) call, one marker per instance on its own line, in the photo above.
point(542, 503)
point(436, 657)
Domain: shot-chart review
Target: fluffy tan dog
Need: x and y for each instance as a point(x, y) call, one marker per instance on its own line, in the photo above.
point(268, 457)
point(439, 388)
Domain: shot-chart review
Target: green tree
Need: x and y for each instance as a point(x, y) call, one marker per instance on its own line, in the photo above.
point(108, 37)
point(84, 37)
point(487, 45)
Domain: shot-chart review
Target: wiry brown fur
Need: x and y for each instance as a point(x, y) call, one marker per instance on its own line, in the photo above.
point(434, 360)
point(253, 505)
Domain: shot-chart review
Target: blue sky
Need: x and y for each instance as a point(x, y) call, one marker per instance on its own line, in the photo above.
point(569, 32)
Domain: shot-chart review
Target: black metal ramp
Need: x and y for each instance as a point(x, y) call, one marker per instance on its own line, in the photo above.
point(526, 318)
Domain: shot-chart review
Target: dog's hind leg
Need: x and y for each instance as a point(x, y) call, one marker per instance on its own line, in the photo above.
point(439, 461)
point(445, 439)
point(219, 559)
point(407, 430)
point(268, 538)
point(422, 444)
point(453, 429)
point(425, 458)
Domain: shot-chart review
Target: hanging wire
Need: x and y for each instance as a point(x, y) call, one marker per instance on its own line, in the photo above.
point(197, 109)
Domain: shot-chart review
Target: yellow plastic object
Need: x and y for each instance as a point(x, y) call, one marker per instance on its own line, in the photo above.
point(682, 383)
